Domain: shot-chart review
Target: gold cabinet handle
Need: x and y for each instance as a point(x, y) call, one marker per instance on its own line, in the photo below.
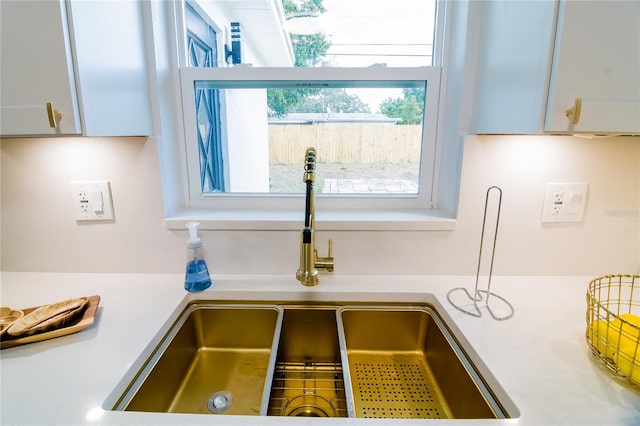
point(575, 111)
point(53, 115)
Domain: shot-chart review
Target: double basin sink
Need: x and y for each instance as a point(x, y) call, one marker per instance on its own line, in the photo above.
point(317, 359)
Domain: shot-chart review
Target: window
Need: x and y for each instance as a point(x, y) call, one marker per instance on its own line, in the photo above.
point(343, 141)
point(372, 96)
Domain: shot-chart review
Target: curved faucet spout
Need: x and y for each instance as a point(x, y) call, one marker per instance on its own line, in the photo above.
point(310, 263)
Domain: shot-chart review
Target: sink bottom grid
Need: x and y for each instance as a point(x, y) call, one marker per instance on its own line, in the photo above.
point(308, 389)
point(394, 386)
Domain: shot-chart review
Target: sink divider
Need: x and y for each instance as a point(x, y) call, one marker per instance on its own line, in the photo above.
point(272, 363)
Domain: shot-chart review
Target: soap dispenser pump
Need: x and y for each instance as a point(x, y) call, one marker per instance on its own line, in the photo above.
point(197, 275)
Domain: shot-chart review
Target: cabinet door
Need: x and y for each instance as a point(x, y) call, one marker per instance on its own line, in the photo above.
point(514, 49)
point(35, 69)
point(596, 59)
point(110, 55)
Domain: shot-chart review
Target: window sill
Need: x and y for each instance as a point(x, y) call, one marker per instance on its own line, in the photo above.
point(345, 220)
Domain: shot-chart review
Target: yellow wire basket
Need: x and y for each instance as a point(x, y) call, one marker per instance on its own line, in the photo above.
point(613, 323)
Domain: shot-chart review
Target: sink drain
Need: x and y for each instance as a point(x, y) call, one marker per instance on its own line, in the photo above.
point(308, 405)
point(307, 411)
point(219, 402)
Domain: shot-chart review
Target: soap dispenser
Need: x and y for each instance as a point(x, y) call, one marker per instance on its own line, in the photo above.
point(197, 275)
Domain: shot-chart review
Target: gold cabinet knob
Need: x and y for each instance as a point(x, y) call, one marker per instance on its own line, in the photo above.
point(575, 111)
point(53, 115)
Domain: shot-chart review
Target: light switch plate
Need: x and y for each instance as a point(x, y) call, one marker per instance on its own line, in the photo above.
point(92, 201)
point(564, 202)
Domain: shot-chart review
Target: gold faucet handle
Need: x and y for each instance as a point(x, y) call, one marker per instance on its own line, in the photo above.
point(325, 263)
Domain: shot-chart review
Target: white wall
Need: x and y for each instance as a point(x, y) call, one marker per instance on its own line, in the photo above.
point(245, 116)
point(39, 231)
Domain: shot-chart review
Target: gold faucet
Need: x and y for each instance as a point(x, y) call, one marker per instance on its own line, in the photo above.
point(310, 263)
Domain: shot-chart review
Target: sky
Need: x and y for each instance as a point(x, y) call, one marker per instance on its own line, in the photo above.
point(396, 33)
point(367, 32)
point(383, 27)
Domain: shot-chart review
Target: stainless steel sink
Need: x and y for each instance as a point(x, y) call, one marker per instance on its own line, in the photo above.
point(215, 359)
point(403, 363)
point(390, 360)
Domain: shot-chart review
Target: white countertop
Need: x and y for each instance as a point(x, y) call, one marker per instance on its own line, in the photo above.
point(540, 356)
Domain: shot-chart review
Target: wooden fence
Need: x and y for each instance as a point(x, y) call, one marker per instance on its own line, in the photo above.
point(345, 143)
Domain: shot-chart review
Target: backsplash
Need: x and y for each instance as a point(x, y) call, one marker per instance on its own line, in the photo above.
point(39, 232)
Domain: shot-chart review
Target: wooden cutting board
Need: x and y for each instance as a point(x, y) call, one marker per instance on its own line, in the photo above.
point(84, 321)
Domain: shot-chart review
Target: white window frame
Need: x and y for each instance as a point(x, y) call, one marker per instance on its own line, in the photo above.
point(258, 75)
point(434, 208)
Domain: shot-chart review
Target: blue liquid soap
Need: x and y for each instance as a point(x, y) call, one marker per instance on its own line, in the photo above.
point(197, 276)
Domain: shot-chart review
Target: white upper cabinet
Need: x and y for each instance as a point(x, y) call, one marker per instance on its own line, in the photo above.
point(533, 63)
point(596, 62)
point(75, 67)
point(36, 68)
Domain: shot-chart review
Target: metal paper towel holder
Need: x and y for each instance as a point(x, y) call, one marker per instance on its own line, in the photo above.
point(485, 295)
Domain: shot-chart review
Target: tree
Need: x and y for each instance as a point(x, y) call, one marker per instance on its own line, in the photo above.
point(409, 108)
point(309, 51)
point(280, 101)
point(334, 100)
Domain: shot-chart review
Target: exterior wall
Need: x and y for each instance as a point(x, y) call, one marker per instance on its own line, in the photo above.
point(249, 148)
point(247, 144)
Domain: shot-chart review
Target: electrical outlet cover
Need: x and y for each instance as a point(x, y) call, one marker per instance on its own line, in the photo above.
point(564, 202)
point(92, 201)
